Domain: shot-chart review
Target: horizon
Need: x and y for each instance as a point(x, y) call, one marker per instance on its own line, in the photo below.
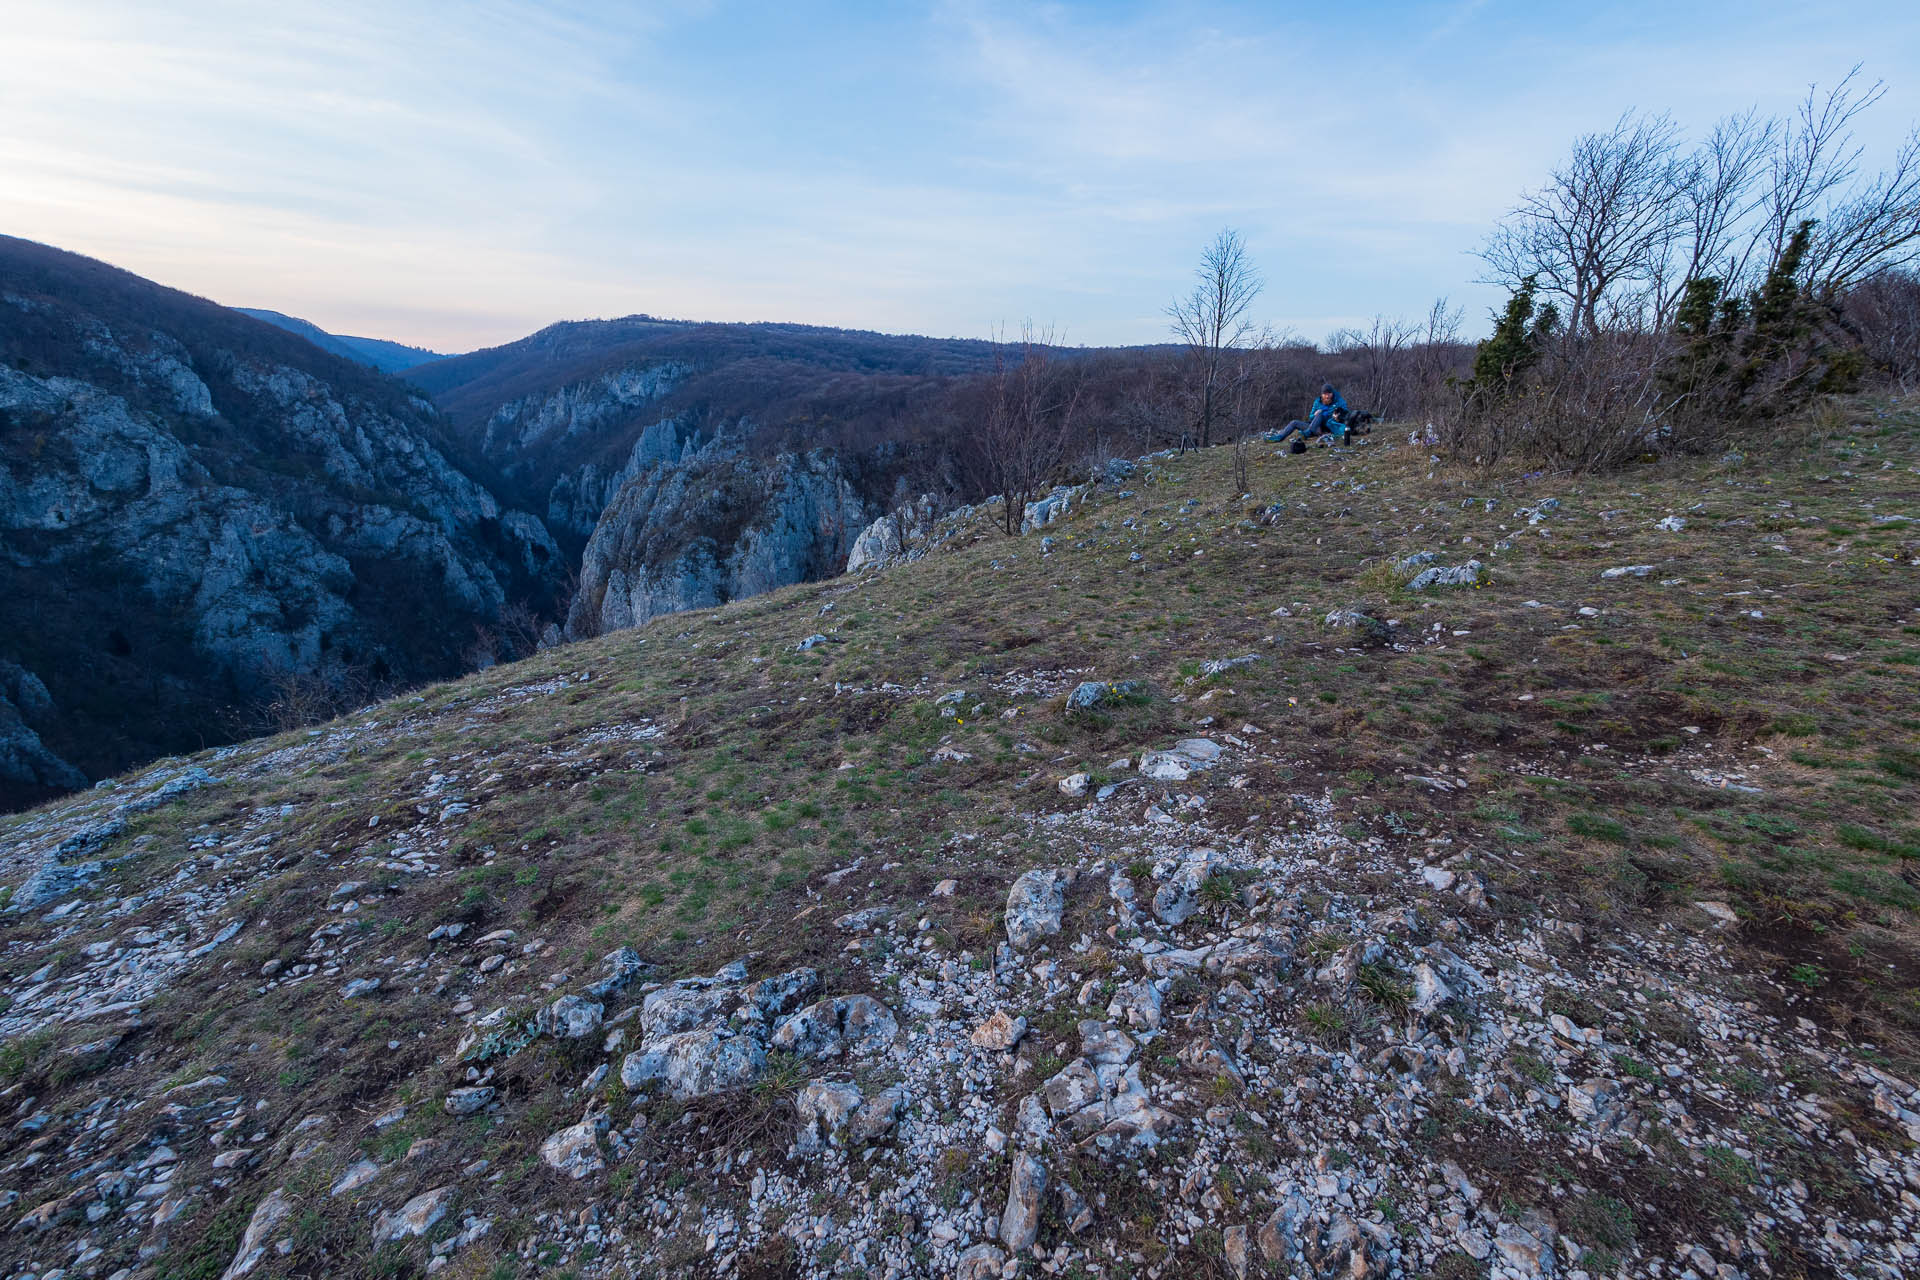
point(453, 181)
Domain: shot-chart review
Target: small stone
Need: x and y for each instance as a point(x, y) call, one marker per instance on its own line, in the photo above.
point(266, 1219)
point(355, 1176)
point(824, 1107)
point(574, 1150)
point(1104, 1045)
point(1074, 785)
point(1034, 905)
point(569, 1018)
point(999, 1032)
point(858, 1025)
point(464, 1102)
point(416, 1217)
point(1430, 991)
point(1524, 1252)
point(878, 1114)
point(1723, 914)
point(980, 1262)
point(1233, 1243)
point(1026, 1189)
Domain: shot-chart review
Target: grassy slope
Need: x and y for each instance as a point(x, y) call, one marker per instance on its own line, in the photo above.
point(1781, 624)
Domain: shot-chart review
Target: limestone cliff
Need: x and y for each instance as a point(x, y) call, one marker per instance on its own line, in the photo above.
point(196, 509)
point(712, 527)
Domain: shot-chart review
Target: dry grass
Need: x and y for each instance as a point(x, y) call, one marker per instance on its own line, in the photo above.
point(1574, 733)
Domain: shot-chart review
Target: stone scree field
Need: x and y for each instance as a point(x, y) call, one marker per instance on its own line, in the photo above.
point(1396, 870)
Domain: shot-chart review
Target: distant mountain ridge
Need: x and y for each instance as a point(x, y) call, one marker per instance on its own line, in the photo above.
point(387, 357)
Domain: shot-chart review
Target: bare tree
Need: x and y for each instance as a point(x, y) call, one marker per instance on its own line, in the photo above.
point(1872, 231)
point(1021, 439)
point(1383, 353)
point(1212, 321)
point(1597, 222)
point(1718, 190)
point(1813, 156)
point(1885, 312)
point(520, 628)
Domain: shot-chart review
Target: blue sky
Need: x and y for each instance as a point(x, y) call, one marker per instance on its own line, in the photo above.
point(457, 175)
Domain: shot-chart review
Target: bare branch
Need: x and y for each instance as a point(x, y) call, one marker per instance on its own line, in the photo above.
point(1212, 320)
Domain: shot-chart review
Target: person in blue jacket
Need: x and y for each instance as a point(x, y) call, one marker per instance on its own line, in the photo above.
point(1327, 414)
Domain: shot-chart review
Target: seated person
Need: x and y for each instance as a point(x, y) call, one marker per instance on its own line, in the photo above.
point(1327, 413)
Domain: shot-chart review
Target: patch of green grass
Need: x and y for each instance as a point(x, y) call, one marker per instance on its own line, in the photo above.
point(1599, 827)
point(1326, 1023)
point(1729, 1168)
point(1385, 986)
point(1603, 1225)
point(1858, 837)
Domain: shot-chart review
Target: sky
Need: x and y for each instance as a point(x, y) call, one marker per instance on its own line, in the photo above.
point(458, 175)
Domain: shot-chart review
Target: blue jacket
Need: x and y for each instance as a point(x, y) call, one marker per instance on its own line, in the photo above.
point(1339, 402)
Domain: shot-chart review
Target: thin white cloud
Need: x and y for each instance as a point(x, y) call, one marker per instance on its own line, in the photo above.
point(458, 174)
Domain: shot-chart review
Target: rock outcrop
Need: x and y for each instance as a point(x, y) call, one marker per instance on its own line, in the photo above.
point(906, 534)
point(713, 529)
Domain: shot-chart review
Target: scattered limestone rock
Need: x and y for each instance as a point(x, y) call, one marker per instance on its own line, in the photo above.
point(695, 1063)
point(1460, 575)
point(1188, 756)
point(879, 1114)
point(1366, 628)
point(1091, 695)
point(1026, 1191)
point(1233, 1244)
point(1138, 1003)
point(1179, 897)
point(782, 993)
point(1526, 1253)
point(266, 1219)
point(416, 1217)
point(855, 1025)
point(570, 1018)
point(575, 1150)
point(824, 1107)
point(355, 1176)
point(1034, 905)
point(980, 1262)
point(999, 1032)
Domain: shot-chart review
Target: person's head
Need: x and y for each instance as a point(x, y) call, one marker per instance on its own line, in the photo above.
point(1327, 393)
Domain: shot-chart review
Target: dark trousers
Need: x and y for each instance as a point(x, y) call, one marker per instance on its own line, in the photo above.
point(1319, 423)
